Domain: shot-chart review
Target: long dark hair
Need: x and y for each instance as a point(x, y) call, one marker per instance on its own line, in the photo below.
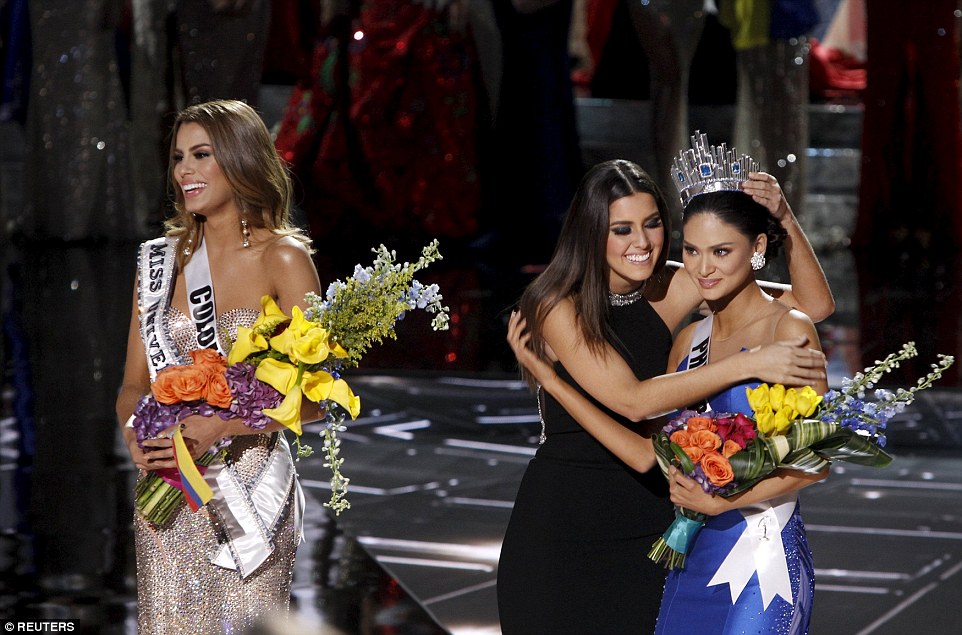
point(739, 210)
point(578, 267)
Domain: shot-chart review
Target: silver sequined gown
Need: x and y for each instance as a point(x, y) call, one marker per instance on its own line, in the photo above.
point(178, 589)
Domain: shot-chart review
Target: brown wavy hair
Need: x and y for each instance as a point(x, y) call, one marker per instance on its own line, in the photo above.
point(245, 153)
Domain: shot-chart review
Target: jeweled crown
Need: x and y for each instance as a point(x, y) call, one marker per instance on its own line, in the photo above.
point(705, 168)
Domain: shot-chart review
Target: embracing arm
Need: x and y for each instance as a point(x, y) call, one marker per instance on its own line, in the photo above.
point(629, 446)
point(809, 291)
point(607, 377)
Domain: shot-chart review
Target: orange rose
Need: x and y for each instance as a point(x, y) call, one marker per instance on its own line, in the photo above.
point(701, 423)
point(209, 358)
point(706, 440)
point(730, 448)
point(681, 438)
point(218, 392)
point(694, 453)
point(717, 469)
point(180, 383)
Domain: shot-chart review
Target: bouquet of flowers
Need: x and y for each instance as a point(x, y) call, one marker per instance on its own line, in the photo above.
point(727, 453)
point(276, 363)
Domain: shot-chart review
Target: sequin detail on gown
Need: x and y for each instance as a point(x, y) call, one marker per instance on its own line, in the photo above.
point(178, 589)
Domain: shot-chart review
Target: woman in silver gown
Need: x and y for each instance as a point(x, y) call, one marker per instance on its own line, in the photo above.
point(229, 564)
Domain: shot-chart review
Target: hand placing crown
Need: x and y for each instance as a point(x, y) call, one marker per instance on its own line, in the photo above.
point(705, 168)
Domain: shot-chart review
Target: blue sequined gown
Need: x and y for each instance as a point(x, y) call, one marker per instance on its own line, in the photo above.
point(696, 600)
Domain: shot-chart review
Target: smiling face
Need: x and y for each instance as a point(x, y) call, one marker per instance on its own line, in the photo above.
point(636, 237)
point(717, 255)
point(203, 186)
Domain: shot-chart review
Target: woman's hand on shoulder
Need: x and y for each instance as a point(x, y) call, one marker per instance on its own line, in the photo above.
point(789, 362)
point(793, 325)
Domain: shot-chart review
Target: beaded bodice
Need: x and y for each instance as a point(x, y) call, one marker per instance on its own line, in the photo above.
point(183, 332)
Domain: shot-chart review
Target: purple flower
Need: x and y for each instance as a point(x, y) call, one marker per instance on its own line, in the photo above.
point(251, 397)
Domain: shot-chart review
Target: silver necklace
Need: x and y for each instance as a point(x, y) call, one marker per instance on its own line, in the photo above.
point(624, 299)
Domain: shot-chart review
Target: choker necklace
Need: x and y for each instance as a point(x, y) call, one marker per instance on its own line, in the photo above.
point(624, 299)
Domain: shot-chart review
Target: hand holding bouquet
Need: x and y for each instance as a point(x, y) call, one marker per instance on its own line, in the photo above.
point(276, 363)
point(728, 453)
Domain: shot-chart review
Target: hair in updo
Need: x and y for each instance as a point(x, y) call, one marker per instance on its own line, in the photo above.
point(740, 210)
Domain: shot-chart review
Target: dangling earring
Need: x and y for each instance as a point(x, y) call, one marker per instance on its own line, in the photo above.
point(246, 232)
point(758, 261)
point(187, 247)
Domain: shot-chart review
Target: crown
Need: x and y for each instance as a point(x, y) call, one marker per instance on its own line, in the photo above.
point(705, 168)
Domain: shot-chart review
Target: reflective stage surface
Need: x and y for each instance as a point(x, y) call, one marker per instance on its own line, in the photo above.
point(446, 432)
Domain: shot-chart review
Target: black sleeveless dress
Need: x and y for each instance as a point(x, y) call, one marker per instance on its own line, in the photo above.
point(575, 554)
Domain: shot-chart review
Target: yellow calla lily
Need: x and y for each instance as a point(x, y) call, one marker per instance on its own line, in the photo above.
point(758, 397)
point(300, 324)
point(281, 375)
point(311, 348)
point(317, 385)
point(288, 412)
point(338, 350)
point(271, 316)
point(342, 394)
point(776, 397)
point(247, 343)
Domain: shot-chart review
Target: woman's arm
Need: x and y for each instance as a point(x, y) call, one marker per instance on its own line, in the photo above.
point(809, 292)
point(156, 453)
point(607, 377)
point(687, 493)
point(629, 446)
point(795, 324)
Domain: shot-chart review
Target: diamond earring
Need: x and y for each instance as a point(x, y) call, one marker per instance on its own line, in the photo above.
point(758, 261)
point(187, 247)
point(246, 232)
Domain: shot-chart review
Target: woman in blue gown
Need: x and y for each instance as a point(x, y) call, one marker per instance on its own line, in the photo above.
point(723, 277)
point(602, 314)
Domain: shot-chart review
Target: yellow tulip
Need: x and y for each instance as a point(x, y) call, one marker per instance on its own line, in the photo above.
point(317, 385)
point(288, 412)
point(757, 397)
point(807, 401)
point(281, 375)
point(247, 343)
point(310, 348)
point(783, 420)
point(776, 396)
point(342, 394)
point(271, 316)
point(765, 420)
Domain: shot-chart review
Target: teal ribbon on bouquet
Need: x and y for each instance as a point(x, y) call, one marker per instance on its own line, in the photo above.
point(682, 532)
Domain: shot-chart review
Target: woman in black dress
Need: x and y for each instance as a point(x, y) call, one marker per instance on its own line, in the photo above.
point(574, 557)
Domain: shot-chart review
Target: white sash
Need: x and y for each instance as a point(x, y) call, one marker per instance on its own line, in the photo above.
point(759, 547)
point(250, 517)
point(155, 266)
point(200, 299)
point(700, 343)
